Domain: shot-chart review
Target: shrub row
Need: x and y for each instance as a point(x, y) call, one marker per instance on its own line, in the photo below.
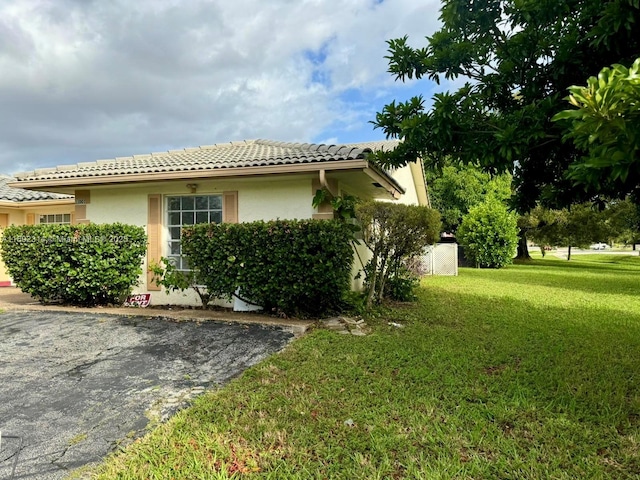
point(74, 264)
point(296, 267)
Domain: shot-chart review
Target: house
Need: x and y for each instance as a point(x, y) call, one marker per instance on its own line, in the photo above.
point(230, 182)
point(28, 207)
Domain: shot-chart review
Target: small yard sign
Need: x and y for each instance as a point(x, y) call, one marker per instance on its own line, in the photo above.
point(138, 300)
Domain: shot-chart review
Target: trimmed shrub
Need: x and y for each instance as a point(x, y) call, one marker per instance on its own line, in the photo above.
point(489, 234)
point(395, 233)
point(74, 264)
point(295, 267)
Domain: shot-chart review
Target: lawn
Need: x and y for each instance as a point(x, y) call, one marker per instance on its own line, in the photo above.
point(532, 371)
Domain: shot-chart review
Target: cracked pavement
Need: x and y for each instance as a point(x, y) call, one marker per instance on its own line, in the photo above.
point(76, 386)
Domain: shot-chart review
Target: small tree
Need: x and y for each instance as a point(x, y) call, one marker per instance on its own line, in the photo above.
point(489, 234)
point(394, 233)
point(544, 226)
point(623, 222)
point(583, 225)
point(577, 226)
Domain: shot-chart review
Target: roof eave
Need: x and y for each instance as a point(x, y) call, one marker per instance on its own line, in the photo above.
point(36, 203)
point(360, 164)
point(385, 181)
point(417, 172)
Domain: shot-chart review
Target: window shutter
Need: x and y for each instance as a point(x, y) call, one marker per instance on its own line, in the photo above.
point(31, 218)
point(154, 237)
point(230, 207)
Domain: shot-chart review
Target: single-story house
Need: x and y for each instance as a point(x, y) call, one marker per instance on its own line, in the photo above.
point(230, 182)
point(28, 207)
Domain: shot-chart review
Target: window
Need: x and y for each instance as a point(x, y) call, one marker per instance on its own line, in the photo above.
point(189, 210)
point(58, 218)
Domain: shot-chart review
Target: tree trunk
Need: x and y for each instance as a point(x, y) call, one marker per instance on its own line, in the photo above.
point(384, 268)
point(523, 249)
point(569, 253)
point(374, 278)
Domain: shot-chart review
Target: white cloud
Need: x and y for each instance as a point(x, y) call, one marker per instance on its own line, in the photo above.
point(92, 79)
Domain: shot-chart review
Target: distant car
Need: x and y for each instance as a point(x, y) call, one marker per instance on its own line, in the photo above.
point(599, 246)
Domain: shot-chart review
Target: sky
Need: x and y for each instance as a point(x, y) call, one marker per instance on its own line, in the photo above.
point(82, 80)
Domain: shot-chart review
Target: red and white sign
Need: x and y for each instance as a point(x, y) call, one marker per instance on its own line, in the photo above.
point(138, 300)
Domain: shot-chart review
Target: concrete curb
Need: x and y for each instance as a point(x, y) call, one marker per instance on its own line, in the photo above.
point(12, 299)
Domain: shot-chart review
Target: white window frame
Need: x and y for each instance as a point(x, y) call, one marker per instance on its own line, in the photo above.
point(54, 219)
point(189, 212)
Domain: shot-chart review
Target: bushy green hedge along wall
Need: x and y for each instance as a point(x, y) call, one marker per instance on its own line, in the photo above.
point(74, 264)
point(296, 267)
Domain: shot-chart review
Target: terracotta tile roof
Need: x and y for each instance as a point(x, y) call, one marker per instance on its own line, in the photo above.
point(385, 145)
point(13, 194)
point(247, 153)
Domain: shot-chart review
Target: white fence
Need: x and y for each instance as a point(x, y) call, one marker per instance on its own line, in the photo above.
point(440, 259)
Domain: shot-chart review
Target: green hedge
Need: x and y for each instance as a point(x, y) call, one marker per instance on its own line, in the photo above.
point(74, 264)
point(295, 267)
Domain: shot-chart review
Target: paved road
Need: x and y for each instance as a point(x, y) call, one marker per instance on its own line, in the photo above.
point(562, 252)
point(75, 386)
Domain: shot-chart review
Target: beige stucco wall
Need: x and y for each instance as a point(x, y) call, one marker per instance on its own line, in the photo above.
point(44, 210)
point(258, 199)
point(360, 258)
point(403, 177)
point(16, 217)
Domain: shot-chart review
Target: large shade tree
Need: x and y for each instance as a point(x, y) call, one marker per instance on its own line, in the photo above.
point(519, 58)
point(606, 126)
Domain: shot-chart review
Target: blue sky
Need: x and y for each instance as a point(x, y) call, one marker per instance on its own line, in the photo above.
point(86, 80)
point(366, 103)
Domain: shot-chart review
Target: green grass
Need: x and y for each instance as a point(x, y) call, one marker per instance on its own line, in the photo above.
point(532, 371)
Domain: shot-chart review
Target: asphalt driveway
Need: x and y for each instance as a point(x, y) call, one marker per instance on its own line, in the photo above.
point(75, 386)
